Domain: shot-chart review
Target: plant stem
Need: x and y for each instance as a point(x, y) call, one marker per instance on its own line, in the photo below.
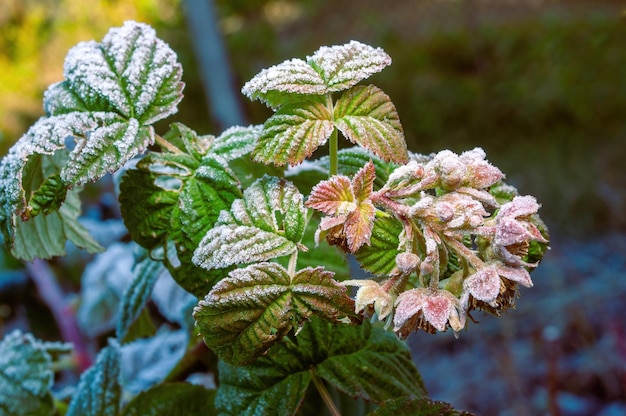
point(53, 297)
point(319, 385)
point(166, 145)
point(333, 143)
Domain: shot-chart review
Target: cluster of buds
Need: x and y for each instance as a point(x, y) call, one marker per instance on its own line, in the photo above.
point(464, 245)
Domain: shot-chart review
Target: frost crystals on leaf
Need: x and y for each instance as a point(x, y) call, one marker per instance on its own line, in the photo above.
point(268, 222)
point(350, 212)
point(330, 69)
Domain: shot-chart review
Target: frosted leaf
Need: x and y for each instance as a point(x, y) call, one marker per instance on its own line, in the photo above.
point(367, 117)
point(131, 72)
point(330, 69)
point(99, 391)
point(236, 141)
point(269, 221)
point(293, 134)
point(226, 245)
point(103, 283)
point(26, 375)
point(347, 202)
point(343, 66)
point(112, 93)
point(290, 77)
point(147, 361)
point(331, 196)
point(256, 306)
point(136, 294)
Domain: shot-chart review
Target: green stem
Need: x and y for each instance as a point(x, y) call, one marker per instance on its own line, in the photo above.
point(333, 143)
point(319, 385)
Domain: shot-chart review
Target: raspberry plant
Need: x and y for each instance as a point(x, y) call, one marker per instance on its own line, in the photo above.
point(264, 254)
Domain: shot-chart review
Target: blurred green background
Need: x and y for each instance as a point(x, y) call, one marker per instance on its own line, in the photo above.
point(539, 84)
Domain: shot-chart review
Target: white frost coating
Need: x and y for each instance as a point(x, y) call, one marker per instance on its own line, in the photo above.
point(132, 70)
point(236, 141)
point(105, 149)
point(44, 137)
point(250, 231)
point(343, 66)
point(330, 69)
point(27, 376)
point(293, 76)
point(226, 245)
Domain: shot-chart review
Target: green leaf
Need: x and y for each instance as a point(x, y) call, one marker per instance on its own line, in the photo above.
point(113, 92)
point(330, 69)
point(136, 295)
point(44, 236)
point(366, 116)
point(26, 376)
point(248, 312)
point(99, 391)
point(363, 361)
point(172, 399)
point(408, 406)
point(293, 133)
point(236, 142)
point(268, 222)
point(171, 200)
point(379, 257)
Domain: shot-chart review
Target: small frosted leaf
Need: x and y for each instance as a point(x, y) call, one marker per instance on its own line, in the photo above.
point(367, 117)
point(293, 133)
point(333, 196)
point(26, 376)
point(363, 182)
point(343, 66)
point(274, 84)
point(176, 198)
point(99, 391)
point(136, 295)
point(269, 221)
point(256, 306)
point(236, 141)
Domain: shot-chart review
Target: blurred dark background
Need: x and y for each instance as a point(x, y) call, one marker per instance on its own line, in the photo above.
point(539, 84)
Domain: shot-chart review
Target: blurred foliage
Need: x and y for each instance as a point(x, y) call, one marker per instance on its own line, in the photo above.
point(538, 84)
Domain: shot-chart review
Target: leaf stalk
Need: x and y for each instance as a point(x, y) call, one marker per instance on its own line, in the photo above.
point(321, 388)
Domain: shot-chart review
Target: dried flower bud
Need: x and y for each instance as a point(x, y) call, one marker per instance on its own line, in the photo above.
point(494, 285)
point(515, 230)
point(371, 293)
point(426, 309)
point(407, 262)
